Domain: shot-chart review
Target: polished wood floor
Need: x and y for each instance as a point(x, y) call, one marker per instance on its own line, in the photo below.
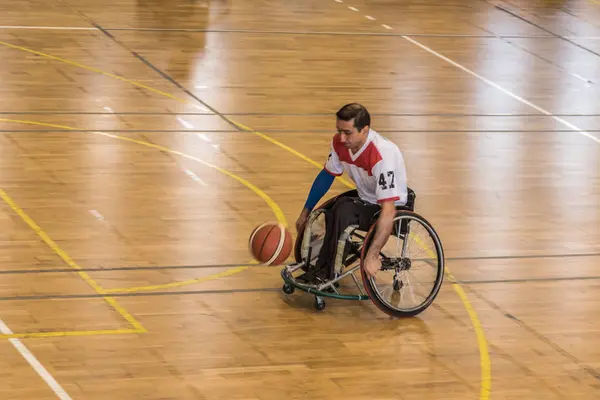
point(142, 141)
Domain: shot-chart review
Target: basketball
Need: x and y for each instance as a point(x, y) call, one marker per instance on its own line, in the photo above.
point(270, 243)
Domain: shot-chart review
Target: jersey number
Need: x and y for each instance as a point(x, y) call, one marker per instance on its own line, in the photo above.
point(383, 183)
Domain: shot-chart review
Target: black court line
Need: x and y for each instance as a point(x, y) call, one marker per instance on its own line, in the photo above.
point(328, 131)
point(546, 60)
point(569, 12)
point(133, 294)
point(47, 270)
point(128, 130)
point(133, 268)
point(151, 66)
point(168, 78)
point(538, 335)
point(284, 32)
point(290, 114)
point(555, 35)
point(339, 33)
point(524, 256)
point(218, 291)
point(529, 280)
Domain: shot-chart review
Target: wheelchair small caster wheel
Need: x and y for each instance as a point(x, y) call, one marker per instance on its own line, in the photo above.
point(319, 303)
point(288, 289)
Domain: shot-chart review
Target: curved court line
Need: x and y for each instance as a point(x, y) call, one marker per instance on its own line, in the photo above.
point(481, 340)
point(277, 211)
point(484, 357)
point(274, 207)
point(132, 82)
point(149, 288)
point(99, 71)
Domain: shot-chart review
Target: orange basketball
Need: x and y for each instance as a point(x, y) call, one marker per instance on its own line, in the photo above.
point(270, 243)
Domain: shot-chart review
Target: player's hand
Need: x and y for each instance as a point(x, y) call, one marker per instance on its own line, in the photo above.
point(302, 220)
point(372, 265)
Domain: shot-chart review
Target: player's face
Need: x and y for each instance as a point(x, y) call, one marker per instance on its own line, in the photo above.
point(350, 136)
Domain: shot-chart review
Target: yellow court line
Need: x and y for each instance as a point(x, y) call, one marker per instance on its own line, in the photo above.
point(485, 360)
point(278, 213)
point(20, 121)
point(219, 275)
point(274, 207)
point(99, 71)
point(69, 261)
point(105, 332)
point(287, 148)
point(484, 357)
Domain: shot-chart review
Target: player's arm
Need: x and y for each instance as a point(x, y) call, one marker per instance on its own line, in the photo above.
point(319, 188)
point(391, 186)
point(385, 223)
point(321, 185)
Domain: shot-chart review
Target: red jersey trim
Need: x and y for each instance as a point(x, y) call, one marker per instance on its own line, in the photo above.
point(395, 198)
point(369, 157)
point(330, 172)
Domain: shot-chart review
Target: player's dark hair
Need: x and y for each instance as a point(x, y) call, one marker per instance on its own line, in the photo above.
point(357, 111)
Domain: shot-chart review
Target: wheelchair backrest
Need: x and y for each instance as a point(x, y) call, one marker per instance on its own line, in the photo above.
point(410, 202)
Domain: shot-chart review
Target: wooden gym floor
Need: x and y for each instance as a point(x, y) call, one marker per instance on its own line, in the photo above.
point(141, 141)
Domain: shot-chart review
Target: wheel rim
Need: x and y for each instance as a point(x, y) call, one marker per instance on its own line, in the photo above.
point(416, 266)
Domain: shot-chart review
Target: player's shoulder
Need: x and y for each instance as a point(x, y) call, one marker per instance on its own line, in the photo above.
point(384, 146)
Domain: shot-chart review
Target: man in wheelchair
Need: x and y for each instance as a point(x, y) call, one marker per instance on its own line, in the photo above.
point(376, 166)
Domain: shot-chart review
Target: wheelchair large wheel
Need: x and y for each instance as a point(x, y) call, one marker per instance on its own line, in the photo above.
point(412, 253)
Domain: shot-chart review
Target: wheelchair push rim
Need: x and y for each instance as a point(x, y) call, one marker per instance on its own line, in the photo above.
point(403, 265)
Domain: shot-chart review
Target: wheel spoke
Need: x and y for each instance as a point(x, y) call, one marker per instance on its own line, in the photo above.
point(413, 292)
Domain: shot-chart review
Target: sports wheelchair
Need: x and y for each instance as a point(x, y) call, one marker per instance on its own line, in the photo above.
point(408, 228)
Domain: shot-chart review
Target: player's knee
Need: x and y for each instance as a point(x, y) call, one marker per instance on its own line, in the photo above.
point(344, 210)
point(343, 204)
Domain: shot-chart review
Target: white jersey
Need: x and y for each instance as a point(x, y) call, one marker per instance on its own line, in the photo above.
point(377, 168)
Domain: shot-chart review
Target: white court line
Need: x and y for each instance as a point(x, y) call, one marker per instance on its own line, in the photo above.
point(508, 92)
point(204, 137)
point(195, 177)
point(97, 215)
point(588, 81)
point(65, 28)
point(185, 123)
point(35, 364)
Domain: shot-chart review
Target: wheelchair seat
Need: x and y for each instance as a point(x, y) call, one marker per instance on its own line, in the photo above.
point(410, 201)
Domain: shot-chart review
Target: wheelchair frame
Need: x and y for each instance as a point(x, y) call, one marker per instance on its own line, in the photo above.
point(303, 254)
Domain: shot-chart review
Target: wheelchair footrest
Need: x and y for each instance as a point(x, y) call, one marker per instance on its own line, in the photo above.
point(325, 289)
